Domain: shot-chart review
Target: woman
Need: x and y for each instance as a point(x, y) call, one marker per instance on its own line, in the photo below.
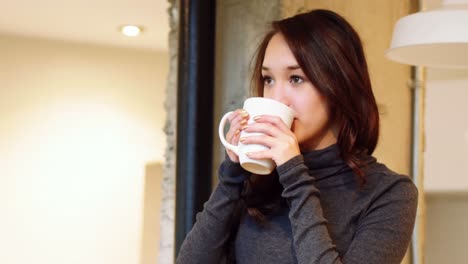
point(329, 200)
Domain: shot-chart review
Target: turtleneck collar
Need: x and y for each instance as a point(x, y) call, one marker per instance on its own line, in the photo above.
point(328, 164)
point(325, 163)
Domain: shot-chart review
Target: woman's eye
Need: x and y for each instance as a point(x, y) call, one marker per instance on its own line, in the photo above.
point(296, 79)
point(267, 80)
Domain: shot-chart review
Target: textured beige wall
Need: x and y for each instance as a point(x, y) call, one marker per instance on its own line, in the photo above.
point(374, 22)
point(167, 233)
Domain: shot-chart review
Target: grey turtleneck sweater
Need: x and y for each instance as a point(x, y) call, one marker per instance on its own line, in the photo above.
point(328, 219)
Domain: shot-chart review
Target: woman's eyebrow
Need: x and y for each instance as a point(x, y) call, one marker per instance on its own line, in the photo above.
point(292, 67)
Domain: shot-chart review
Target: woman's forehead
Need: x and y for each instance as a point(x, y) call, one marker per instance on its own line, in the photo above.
point(279, 55)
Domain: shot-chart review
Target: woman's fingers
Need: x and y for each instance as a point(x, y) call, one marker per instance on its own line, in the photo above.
point(269, 129)
point(274, 134)
point(260, 139)
point(269, 125)
point(237, 119)
point(274, 120)
point(262, 154)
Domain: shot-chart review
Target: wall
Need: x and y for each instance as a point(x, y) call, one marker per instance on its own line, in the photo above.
point(446, 162)
point(446, 166)
point(447, 232)
point(152, 224)
point(446, 156)
point(78, 126)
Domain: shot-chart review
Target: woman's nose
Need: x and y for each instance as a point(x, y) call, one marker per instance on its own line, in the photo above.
point(280, 94)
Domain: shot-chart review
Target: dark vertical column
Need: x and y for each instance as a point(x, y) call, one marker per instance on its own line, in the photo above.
point(194, 112)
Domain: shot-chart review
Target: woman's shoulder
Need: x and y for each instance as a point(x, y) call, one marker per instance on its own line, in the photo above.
point(382, 180)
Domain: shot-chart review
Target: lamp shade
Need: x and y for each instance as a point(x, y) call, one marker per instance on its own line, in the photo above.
point(436, 38)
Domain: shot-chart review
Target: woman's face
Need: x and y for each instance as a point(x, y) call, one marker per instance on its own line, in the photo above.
point(285, 81)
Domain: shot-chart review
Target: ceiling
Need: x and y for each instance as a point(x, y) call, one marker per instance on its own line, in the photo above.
point(88, 21)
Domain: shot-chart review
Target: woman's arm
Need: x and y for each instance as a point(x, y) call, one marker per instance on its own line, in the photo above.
point(206, 242)
point(383, 233)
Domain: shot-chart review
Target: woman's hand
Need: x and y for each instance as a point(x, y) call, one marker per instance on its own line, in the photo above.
point(238, 120)
point(277, 136)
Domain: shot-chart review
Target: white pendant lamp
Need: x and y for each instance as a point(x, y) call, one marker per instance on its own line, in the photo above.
point(434, 38)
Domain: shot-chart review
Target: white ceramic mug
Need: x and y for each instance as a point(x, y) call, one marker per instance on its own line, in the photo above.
point(256, 106)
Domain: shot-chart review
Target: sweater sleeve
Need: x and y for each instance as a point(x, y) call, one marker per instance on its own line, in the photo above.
point(206, 242)
point(383, 234)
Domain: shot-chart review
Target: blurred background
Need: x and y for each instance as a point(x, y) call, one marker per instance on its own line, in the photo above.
point(87, 124)
point(81, 130)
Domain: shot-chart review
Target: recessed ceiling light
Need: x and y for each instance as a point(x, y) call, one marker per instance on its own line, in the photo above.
point(131, 30)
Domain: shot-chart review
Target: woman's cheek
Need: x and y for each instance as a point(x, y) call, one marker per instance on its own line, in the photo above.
point(296, 129)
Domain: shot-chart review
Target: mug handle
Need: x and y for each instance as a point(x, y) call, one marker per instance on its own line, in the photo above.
point(226, 144)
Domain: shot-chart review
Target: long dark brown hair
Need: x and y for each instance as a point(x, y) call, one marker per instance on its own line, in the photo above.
point(330, 53)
